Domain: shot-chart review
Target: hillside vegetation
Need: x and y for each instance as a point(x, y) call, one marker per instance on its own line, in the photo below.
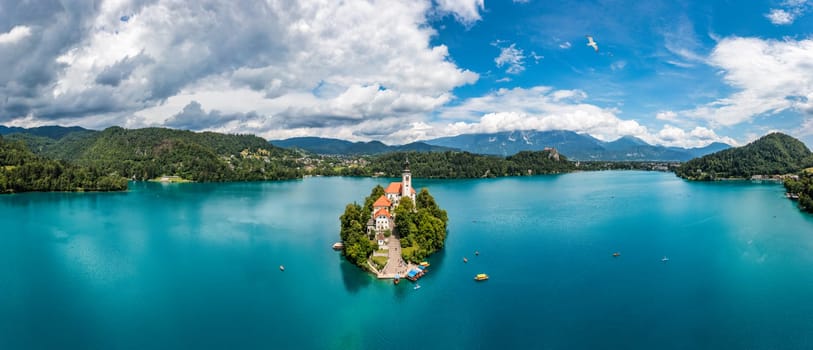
point(148, 153)
point(23, 171)
point(772, 154)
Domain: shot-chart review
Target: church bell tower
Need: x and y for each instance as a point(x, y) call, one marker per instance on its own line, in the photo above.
point(406, 181)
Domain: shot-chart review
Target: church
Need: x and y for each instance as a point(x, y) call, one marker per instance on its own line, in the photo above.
point(381, 219)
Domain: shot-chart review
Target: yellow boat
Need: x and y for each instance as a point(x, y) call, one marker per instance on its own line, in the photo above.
point(481, 277)
point(424, 264)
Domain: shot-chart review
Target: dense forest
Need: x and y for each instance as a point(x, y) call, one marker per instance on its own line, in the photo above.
point(421, 226)
point(772, 154)
point(143, 154)
point(456, 164)
point(23, 171)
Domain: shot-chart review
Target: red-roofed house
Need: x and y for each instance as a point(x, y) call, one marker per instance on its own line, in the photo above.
point(382, 203)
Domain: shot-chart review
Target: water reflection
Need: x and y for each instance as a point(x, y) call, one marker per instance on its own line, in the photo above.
point(353, 277)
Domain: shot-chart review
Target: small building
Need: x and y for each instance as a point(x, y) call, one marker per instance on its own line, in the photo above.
point(383, 220)
point(382, 241)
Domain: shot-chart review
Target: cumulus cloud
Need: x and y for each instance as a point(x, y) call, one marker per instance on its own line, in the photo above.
point(281, 59)
point(14, 35)
point(465, 11)
point(537, 108)
point(193, 117)
point(780, 17)
point(769, 76)
point(512, 58)
point(666, 115)
point(698, 137)
point(788, 13)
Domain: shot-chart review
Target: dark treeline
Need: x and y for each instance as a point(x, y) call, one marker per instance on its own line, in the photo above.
point(802, 187)
point(456, 164)
point(23, 171)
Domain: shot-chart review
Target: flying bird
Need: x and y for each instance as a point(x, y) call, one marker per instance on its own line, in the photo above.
point(592, 43)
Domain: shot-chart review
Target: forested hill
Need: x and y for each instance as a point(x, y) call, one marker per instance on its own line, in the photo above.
point(23, 171)
point(152, 152)
point(772, 154)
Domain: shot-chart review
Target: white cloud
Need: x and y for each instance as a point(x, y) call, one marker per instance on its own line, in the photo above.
point(466, 12)
point(770, 76)
point(681, 41)
point(511, 57)
point(790, 11)
point(666, 115)
point(780, 17)
point(14, 35)
point(290, 65)
point(521, 1)
point(698, 137)
point(537, 108)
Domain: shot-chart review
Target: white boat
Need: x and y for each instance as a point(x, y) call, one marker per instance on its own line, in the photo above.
point(665, 259)
point(417, 286)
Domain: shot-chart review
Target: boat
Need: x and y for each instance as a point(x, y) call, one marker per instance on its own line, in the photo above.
point(424, 264)
point(417, 286)
point(665, 259)
point(481, 277)
point(465, 260)
point(338, 246)
point(616, 254)
point(476, 252)
point(282, 268)
point(397, 279)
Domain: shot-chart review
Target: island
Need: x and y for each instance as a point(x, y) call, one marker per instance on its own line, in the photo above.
point(394, 231)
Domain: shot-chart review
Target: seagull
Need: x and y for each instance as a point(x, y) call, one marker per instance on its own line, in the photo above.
point(592, 43)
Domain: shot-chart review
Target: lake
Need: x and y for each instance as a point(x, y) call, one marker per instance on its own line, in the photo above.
point(196, 266)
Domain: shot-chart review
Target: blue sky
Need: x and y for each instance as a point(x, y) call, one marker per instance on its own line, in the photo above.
point(682, 73)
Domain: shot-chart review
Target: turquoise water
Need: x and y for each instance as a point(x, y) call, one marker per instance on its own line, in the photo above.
point(196, 266)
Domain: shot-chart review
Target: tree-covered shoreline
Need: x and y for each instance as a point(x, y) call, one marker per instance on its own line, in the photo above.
point(23, 171)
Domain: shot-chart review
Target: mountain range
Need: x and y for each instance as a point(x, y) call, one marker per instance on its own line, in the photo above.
point(321, 145)
point(573, 145)
point(49, 131)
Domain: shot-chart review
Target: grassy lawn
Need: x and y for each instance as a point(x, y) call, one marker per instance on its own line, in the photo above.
point(170, 179)
point(380, 261)
point(382, 251)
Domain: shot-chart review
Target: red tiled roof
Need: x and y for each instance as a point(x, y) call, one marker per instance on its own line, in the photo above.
point(382, 202)
point(412, 190)
point(394, 187)
point(381, 212)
